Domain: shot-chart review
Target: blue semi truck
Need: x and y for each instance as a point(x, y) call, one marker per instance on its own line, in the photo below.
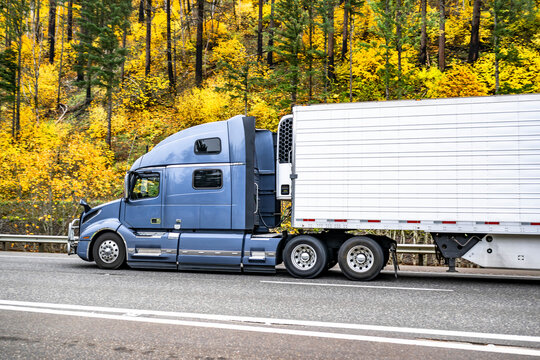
point(209, 197)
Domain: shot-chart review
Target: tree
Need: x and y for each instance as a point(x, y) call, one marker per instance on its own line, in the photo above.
point(507, 14)
point(270, 54)
point(170, 72)
point(288, 46)
point(52, 29)
point(260, 32)
point(8, 77)
point(442, 34)
point(199, 44)
point(87, 34)
point(422, 58)
point(15, 14)
point(474, 44)
point(70, 21)
point(148, 37)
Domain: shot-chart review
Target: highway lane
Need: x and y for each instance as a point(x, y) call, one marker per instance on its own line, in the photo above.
point(54, 306)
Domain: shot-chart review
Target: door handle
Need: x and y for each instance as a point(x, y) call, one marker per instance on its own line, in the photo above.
point(155, 221)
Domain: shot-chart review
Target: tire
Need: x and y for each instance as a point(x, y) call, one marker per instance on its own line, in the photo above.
point(361, 258)
point(109, 251)
point(305, 257)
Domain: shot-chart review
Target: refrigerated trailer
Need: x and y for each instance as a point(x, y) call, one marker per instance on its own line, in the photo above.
point(465, 170)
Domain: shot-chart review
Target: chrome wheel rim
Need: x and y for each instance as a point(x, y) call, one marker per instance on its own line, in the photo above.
point(303, 257)
point(109, 251)
point(360, 258)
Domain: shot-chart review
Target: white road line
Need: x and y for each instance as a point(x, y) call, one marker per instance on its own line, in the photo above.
point(272, 321)
point(354, 286)
point(426, 343)
point(36, 257)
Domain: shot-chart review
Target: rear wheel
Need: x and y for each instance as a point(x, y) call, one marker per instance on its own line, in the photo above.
point(305, 257)
point(109, 251)
point(361, 258)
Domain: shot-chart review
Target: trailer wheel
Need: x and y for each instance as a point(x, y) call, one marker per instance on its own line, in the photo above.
point(109, 251)
point(305, 257)
point(361, 258)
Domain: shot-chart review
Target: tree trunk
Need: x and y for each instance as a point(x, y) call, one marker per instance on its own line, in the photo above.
point(474, 45)
point(109, 115)
point(37, 29)
point(270, 55)
point(351, 32)
point(199, 44)
point(122, 68)
point(442, 34)
point(331, 43)
point(148, 36)
point(310, 55)
point(61, 60)
point(496, 50)
point(52, 29)
point(259, 32)
point(172, 81)
point(36, 57)
point(17, 117)
point(345, 38)
point(399, 47)
point(387, 57)
point(141, 11)
point(70, 21)
point(423, 34)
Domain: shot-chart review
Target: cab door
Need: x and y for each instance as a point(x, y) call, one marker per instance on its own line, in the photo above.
point(143, 207)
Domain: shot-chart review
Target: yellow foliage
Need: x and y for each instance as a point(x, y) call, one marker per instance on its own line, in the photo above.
point(522, 77)
point(458, 81)
point(48, 86)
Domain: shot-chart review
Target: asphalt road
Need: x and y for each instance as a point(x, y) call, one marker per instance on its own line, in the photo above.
point(55, 306)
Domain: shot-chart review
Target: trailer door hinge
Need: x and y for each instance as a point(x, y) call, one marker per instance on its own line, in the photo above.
point(294, 176)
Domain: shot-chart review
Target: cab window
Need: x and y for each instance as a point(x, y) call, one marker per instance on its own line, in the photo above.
point(145, 186)
point(208, 146)
point(207, 179)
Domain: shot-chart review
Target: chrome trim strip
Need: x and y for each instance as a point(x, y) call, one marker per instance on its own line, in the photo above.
point(266, 253)
point(209, 252)
point(150, 234)
point(205, 165)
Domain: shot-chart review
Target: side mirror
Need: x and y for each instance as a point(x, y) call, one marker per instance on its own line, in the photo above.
point(126, 185)
point(86, 207)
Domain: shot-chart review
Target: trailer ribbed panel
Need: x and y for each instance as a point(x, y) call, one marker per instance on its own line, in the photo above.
point(463, 160)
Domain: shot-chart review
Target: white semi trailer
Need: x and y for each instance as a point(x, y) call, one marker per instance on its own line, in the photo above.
point(466, 170)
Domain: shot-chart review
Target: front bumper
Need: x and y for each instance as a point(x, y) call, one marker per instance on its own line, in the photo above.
point(73, 239)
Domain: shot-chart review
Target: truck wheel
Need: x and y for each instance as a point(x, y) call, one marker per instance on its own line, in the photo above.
point(109, 251)
point(305, 257)
point(360, 258)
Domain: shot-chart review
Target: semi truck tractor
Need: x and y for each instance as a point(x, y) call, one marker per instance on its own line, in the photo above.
point(465, 170)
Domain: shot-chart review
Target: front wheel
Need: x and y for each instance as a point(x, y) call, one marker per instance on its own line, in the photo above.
point(109, 251)
point(305, 257)
point(360, 258)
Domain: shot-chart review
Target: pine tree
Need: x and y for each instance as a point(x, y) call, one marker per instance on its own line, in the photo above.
point(8, 77)
point(288, 46)
point(15, 14)
point(507, 15)
point(103, 21)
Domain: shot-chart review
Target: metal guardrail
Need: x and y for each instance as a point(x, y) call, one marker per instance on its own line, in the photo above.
point(46, 239)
